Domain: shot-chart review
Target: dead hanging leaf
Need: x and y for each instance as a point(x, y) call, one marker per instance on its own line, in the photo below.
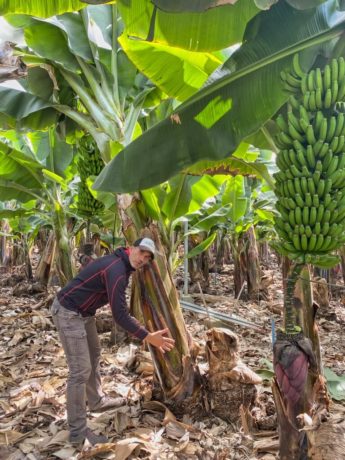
point(175, 118)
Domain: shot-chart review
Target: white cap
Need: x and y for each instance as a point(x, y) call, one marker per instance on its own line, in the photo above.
point(146, 244)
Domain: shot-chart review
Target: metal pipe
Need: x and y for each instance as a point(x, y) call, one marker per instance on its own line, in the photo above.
point(221, 316)
point(185, 258)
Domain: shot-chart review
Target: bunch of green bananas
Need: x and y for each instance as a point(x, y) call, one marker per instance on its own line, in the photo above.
point(90, 164)
point(310, 183)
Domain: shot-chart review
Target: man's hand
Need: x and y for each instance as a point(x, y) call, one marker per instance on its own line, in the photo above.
point(158, 339)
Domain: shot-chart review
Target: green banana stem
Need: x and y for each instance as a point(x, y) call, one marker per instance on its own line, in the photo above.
point(290, 313)
point(85, 122)
point(65, 268)
point(96, 112)
point(114, 69)
point(100, 92)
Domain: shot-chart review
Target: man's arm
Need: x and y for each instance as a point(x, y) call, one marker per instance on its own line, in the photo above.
point(116, 287)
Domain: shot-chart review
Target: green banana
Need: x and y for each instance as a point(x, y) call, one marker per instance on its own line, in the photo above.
point(292, 219)
point(312, 215)
point(299, 200)
point(311, 186)
point(312, 242)
point(334, 144)
point(316, 200)
point(308, 200)
point(296, 241)
point(341, 68)
point(333, 166)
point(323, 130)
point(304, 185)
point(297, 186)
point(281, 123)
point(305, 215)
point(304, 242)
point(293, 158)
point(327, 160)
point(328, 99)
point(325, 228)
point(332, 125)
point(310, 156)
point(296, 66)
point(312, 101)
point(304, 115)
point(319, 242)
point(301, 229)
point(301, 158)
point(320, 213)
point(334, 70)
point(318, 79)
point(339, 124)
point(327, 78)
point(308, 231)
point(291, 188)
point(310, 81)
point(317, 228)
point(296, 216)
point(341, 144)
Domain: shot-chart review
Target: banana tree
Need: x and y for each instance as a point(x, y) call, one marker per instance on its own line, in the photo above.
point(88, 70)
point(234, 213)
point(31, 170)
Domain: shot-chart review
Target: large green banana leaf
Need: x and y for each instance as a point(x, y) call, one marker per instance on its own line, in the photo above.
point(20, 175)
point(210, 30)
point(106, 82)
point(181, 6)
point(40, 8)
point(213, 122)
point(177, 72)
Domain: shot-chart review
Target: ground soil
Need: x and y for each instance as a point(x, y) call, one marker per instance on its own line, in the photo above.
point(33, 375)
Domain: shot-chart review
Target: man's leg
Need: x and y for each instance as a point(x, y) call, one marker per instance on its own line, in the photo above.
point(97, 400)
point(94, 391)
point(70, 326)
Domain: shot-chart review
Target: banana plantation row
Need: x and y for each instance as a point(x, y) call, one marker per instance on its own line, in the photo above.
point(223, 124)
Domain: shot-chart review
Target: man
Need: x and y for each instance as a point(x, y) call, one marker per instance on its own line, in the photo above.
point(102, 281)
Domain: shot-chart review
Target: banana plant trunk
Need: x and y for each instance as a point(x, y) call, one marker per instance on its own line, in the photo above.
point(238, 253)
point(342, 261)
point(64, 263)
point(298, 382)
point(253, 269)
point(155, 295)
point(4, 247)
point(46, 261)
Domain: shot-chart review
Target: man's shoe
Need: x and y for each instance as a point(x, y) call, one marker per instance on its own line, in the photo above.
point(106, 402)
point(90, 436)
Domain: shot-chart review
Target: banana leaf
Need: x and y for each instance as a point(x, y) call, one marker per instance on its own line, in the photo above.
point(184, 72)
point(214, 29)
point(40, 8)
point(181, 6)
point(20, 175)
point(239, 100)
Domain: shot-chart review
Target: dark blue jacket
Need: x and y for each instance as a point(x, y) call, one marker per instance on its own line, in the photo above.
point(103, 281)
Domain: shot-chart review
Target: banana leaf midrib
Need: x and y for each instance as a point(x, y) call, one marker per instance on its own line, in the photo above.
point(226, 80)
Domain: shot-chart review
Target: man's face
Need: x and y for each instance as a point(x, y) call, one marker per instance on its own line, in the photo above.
point(138, 257)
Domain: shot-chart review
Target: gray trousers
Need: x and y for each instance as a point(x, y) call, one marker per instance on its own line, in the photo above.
point(82, 348)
